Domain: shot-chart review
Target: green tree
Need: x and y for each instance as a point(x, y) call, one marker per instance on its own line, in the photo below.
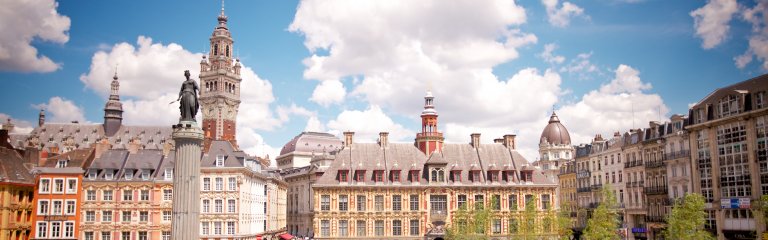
point(761, 212)
point(563, 222)
point(529, 228)
point(472, 224)
point(604, 222)
point(688, 219)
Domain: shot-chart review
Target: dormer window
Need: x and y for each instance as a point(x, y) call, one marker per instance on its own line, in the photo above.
point(493, 176)
point(343, 175)
point(145, 175)
point(729, 106)
point(413, 176)
point(526, 176)
point(437, 174)
point(360, 176)
point(108, 174)
point(394, 175)
point(378, 176)
point(62, 163)
point(760, 100)
point(219, 160)
point(92, 175)
point(168, 174)
point(456, 175)
point(128, 174)
point(474, 176)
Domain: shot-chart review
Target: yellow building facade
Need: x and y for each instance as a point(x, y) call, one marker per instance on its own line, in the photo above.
point(16, 193)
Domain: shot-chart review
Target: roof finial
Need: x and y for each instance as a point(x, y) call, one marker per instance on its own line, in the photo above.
point(222, 7)
point(115, 77)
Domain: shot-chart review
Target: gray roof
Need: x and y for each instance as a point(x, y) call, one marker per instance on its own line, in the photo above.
point(81, 136)
point(13, 169)
point(232, 157)
point(309, 142)
point(369, 157)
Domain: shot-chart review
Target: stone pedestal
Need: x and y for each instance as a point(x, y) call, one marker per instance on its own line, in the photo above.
point(186, 181)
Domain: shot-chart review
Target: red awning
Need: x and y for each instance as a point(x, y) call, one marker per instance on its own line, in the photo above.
point(286, 236)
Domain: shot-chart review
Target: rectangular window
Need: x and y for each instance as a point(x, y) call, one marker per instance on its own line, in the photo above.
point(45, 186)
point(55, 229)
point(217, 228)
point(496, 226)
point(42, 207)
point(206, 206)
point(128, 174)
point(512, 202)
point(106, 235)
point(232, 184)
point(106, 195)
point(70, 207)
point(58, 186)
point(325, 203)
point(218, 206)
point(343, 203)
point(168, 175)
point(343, 175)
point(397, 228)
point(206, 184)
point(90, 195)
point(42, 229)
point(414, 202)
point(414, 175)
point(92, 175)
point(167, 216)
point(69, 229)
point(325, 228)
point(462, 200)
point(219, 184)
point(106, 216)
point(231, 228)
point(360, 228)
point(144, 216)
point(125, 236)
point(219, 160)
point(166, 235)
point(414, 227)
point(127, 195)
point(143, 236)
point(231, 205)
point(126, 216)
point(343, 228)
point(145, 175)
point(378, 176)
point(479, 201)
point(205, 228)
point(496, 202)
point(379, 227)
point(71, 185)
point(396, 203)
point(378, 202)
point(167, 194)
point(360, 176)
point(361, 203)
point(108, 174)
point(90, 216)
point(395, 175)
point(57, 208)
point(144, 195)
point(545, 201)
point(88, 236)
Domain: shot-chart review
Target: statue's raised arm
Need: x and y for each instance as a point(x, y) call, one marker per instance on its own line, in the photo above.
point(188, 103)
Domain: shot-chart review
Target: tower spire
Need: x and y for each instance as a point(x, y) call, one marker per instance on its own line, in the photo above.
point(113, 110)
point(430, 139)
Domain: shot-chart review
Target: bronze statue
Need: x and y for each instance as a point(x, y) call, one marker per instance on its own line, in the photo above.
point(188, 99)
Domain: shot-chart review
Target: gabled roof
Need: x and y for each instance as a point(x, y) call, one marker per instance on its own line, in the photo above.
point(13, 169)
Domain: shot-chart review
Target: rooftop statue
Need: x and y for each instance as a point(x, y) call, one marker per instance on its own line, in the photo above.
point(188, 103)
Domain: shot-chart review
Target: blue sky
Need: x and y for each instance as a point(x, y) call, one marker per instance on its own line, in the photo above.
point(486, 64)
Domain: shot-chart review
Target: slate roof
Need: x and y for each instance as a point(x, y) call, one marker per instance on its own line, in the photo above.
point(83, 135)
point(369, 157)
point(756, 84)
point(308, 142)
point(13, 169)
point(76, 158)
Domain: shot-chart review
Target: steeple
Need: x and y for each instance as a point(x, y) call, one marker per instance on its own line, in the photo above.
point(220, 85)
point(430, 139)
point(113, 110)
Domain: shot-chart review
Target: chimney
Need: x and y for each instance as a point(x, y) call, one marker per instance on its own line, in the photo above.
point(475, 140)
point(348, 138)
point(383, 139)
point(509, 141)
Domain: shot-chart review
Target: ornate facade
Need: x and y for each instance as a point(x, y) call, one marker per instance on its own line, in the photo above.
point(411, 191)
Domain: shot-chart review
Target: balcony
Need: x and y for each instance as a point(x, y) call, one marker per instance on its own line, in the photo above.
point(656, 190)
point(654, 164)
point(583, 174)
point(655, 219)
point(630, 164)
point(597, 187)
point(676, 155)
point(583, 189)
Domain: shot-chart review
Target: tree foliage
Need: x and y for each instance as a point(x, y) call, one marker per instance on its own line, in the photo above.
point(563, 222)
point(528, 225)
point(604, 222)
point(688, 219)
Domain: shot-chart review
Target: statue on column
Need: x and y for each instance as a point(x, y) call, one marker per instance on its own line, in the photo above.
point(188, 103)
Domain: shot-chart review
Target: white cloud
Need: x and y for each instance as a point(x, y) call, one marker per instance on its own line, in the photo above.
point(549, 57)
point(712, 21)
point(561, 17)
point(61, 110)
point(582, 66)
point(24, 22)
point(19, 126)
point(329, 92)
point(618, 105)
point(367, 125)
point(150, 74)
point(758, 40)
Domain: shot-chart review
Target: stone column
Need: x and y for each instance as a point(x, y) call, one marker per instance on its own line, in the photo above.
point(186, 181)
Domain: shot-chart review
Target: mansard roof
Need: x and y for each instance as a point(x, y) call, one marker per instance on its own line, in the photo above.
point(81, 136)
point(756, 84)
point(232, 157)
point(309, 142)
point(464, 158)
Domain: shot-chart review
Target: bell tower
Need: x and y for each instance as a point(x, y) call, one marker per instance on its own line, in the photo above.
point(430, 139)
point(220, 85)
point(113, 110)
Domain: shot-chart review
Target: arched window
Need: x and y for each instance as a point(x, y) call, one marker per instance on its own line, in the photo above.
point(227, 50)
point(215, 49)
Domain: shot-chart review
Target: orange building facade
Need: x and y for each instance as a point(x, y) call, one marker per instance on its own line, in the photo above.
point(56, 199)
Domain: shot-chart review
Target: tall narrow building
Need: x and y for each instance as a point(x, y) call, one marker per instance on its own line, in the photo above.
point(430, 139)
point(220, 86)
